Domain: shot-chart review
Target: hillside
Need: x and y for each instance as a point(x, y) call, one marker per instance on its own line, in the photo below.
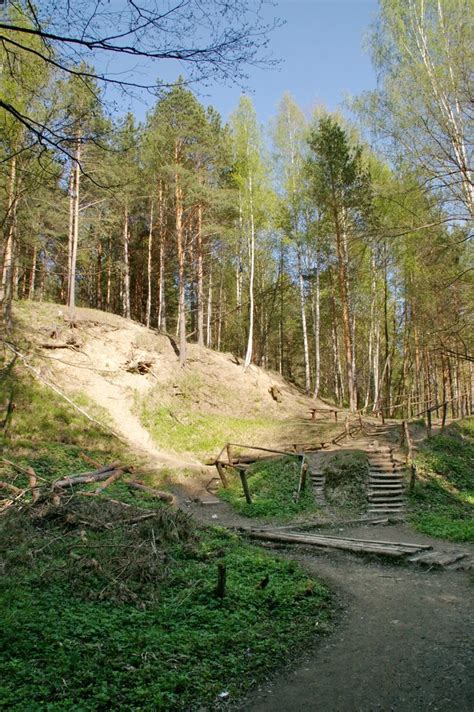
point(130, 376)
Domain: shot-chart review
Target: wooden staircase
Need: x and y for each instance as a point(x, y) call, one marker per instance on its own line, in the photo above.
point(318, 481)
point(386, 489)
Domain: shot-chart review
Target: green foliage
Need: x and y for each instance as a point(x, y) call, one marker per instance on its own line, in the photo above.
point(47, 434)
point(71, 640)
point(442, 502)
point(346, 480)
point(273, 485)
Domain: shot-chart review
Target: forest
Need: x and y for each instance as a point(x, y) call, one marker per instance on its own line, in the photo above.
point(335, 252)
point(236, 363)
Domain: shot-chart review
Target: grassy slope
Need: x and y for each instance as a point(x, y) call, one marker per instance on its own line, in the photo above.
point(442, 502)
point(204, 414)
point(128, 613)
point(272, 485)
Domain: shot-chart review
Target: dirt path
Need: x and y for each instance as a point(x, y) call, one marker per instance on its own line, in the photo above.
point(404, 644)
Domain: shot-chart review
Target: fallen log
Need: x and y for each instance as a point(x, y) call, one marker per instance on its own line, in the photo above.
point(393, 550)
point(159, 494)
point(66, 345)
point(96, 476)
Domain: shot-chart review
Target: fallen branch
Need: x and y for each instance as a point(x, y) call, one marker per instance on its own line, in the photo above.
point(72, 346)
point(10, 488)
point(23, 470)
point(89, 459)
point(116, 474)
point(87, 477)
point(33, 480)
point(164, 496)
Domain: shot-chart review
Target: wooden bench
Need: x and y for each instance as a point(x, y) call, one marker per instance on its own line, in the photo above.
point(313, 412)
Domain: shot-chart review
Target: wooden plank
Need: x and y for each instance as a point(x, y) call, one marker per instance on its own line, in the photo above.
point(393, 551)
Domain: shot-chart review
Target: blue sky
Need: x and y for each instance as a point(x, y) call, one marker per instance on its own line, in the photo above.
point(322, 59)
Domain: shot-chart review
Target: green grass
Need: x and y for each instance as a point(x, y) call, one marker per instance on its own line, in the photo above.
point(443, 498)
point(273, 485)
point(201, 434)
point(77, 633)
point(96, 610)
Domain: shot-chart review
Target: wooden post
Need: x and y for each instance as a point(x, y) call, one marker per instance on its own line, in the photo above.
point(221, 472)
point(229, 454)
point(221, 580)
point(410, 463)
point(302, 482)
point(402, 436)
point(445, 412)
point(428, 422)
point(335, 416)
point(346, 427)
point(245, 486)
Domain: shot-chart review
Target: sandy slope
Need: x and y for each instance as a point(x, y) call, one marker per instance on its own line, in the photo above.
point(108, 344)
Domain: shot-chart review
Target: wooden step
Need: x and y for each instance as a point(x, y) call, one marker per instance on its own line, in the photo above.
point(385, 489)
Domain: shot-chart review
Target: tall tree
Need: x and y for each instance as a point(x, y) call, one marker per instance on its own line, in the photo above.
point(250, 178)
point(340, 186)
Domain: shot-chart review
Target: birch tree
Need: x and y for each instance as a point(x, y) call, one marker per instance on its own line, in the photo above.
point(423, 51)
point(250, 178)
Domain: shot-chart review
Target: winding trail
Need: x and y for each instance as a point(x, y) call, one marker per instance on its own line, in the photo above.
point(404, 644)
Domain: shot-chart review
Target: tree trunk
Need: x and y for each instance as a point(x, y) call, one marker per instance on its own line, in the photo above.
point(219, 318)
point(98, 277)
point(200, 278)
point(341, 250)
point(75, 226)
point(209, 313)
point(148, 270)
point(303, 323)
point(317, 330)
point(281, 327)
point(108, 292)
point(251, 250)
point(7, 256)
point(126, 264)
point(31, 288)
point(161, 316)
point(181, 271)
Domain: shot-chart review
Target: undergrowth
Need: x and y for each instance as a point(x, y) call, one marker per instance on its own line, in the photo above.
point(346, 481)
point(273, 485)
point(95, 611)
point(443, 498)
point(105, 606)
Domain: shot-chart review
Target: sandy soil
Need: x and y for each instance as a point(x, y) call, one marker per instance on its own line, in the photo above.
point(109, 344)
